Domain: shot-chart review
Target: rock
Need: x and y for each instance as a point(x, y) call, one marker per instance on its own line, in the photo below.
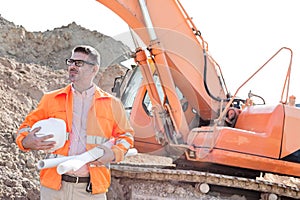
point(30, 164)
point(10, 183)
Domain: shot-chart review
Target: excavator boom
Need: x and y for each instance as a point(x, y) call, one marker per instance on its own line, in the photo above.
point(183, 46)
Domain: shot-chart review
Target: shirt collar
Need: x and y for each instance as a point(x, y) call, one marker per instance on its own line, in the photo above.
point(89, 92)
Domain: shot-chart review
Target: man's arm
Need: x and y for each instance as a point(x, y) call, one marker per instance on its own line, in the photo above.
point(123, 132)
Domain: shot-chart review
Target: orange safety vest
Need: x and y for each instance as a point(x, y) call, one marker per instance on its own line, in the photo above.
point(106, 119)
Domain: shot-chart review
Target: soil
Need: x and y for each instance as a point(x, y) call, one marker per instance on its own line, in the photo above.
point(32, 63)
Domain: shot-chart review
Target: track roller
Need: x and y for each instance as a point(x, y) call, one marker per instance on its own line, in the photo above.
point(269, 196)
point(203, 188)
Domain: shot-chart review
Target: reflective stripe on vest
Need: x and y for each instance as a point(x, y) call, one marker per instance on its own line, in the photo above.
point(68, 135)
point(124, 142)
point(93, 139)
point(129, 135)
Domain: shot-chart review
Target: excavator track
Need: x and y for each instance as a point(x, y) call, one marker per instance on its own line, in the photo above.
point(191, 176)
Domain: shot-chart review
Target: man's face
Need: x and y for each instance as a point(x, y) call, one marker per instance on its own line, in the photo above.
point(82, 74)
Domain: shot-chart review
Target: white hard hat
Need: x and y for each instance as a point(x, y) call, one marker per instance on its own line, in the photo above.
point(54, 126)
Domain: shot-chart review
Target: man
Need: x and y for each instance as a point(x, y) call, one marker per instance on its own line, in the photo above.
point(92, 117)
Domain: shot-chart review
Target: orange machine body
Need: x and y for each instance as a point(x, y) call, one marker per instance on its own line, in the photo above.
point(262, 136)
point(176, 99)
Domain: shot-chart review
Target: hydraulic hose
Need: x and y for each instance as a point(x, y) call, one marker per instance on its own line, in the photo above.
point(204, 80)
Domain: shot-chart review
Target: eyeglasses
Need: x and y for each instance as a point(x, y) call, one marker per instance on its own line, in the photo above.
point(77, 63)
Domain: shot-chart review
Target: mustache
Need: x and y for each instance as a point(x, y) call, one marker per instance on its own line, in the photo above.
point(73, 70)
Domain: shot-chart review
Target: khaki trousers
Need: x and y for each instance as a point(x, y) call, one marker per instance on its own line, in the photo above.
point(70, 191)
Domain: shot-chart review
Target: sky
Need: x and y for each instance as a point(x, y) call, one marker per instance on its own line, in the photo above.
point(241, 35)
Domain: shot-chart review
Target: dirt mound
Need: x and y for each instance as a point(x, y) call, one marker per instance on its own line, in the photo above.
point(21, 86)
point(51, 48)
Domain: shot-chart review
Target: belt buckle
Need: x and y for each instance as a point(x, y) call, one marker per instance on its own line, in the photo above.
point(77, 179)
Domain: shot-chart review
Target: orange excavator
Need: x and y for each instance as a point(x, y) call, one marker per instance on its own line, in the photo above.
point(179, 105)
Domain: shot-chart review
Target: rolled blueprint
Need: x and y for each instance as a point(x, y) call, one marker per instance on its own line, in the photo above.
point(80, 160)
point(131, 152)
point(88, 156)
point(52, 162)
point(68, 163)
point(77, 162)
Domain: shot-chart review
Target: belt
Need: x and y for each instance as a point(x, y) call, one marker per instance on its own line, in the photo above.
point(75, 179)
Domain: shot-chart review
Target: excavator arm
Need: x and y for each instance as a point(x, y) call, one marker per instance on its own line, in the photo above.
point(179, 56)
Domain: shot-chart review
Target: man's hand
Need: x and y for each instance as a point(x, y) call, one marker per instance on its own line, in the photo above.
point(31, 141)
point(107, 157)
